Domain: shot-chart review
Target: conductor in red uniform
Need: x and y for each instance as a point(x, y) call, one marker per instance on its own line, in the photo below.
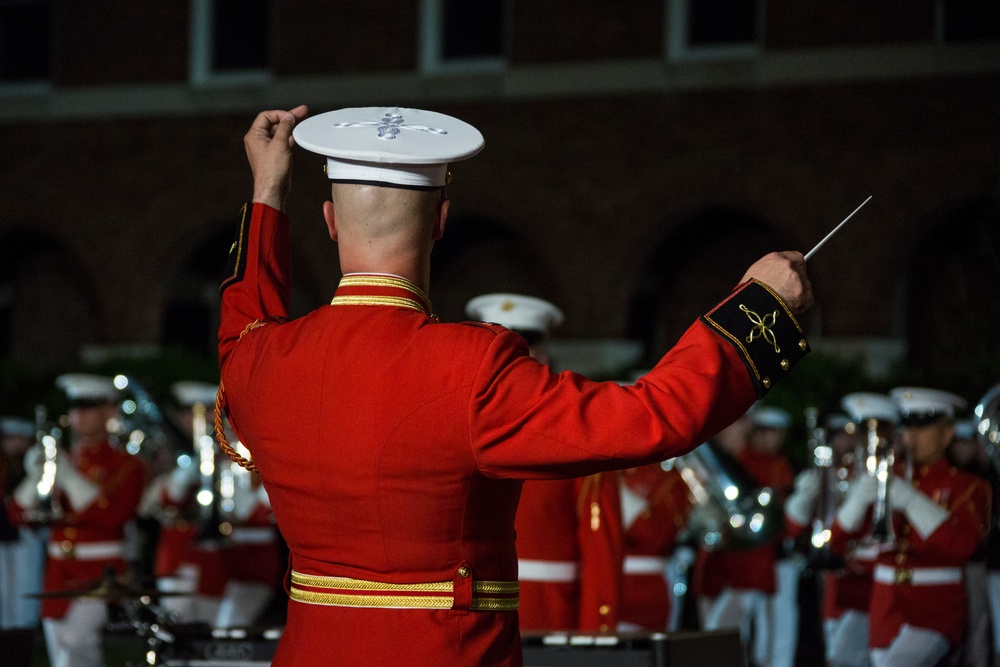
point(392, 446)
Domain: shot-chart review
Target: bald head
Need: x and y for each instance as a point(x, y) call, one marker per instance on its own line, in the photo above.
point(384, 228)
point(379, 213)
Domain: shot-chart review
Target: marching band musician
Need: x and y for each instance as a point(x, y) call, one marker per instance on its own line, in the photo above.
point(772, 468)
point(917, 610)
point(846, 590)
point(182, 564)
point(751, 576)
point(393, 446)
point(22, 548)
point(98, 488)
point(655, 507)
point(569, 535)
point(254, 556)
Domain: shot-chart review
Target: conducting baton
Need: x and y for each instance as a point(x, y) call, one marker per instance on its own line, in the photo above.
point(827, 237)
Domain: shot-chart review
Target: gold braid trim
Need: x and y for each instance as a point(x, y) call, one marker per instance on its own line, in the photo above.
point(220, 402)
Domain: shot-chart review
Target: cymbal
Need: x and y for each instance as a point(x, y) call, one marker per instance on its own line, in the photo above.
point(109, 589)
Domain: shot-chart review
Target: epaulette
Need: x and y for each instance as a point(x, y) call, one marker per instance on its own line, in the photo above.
point(492, 326)
point(758, 323)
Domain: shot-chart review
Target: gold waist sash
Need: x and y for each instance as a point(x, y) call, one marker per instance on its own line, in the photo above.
point(346, 592)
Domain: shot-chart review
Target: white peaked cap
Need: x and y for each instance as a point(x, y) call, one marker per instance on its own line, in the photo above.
point(515, 311)
point(392, 145)
point(85, 387)
point(17, 426)
point(863, 405)
point(924, 401)
point(188, 393)
point(768, 416)
point(837, 421)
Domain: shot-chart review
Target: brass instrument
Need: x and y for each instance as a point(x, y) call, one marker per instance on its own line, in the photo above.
point(47, 437)
point(879, 463)
point(733, 512)
point(987, 413)
point(826, 497)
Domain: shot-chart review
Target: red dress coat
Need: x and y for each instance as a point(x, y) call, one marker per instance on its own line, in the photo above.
point(753, 569)
point(919, 581)
point(650, 539)
point(82, 545)
point(548, 555)
point(569, 548)
point(392, 446)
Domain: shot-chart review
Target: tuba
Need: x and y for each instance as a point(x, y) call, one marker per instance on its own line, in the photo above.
point(733, 512)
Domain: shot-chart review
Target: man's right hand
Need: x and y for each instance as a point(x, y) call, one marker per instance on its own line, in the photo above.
point(785, 274)
point(268, 145)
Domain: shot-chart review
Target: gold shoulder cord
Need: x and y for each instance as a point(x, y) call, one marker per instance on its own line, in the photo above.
point(220, 402)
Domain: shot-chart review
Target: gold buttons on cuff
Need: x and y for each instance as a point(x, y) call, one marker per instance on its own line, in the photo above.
point(803, 344)
point(463, 572)
point(785, 364)
point(766, 382)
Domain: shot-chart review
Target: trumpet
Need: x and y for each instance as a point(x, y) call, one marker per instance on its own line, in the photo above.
point(879, 463)
point(47, 437)
point(734, 512)
point(826, 499)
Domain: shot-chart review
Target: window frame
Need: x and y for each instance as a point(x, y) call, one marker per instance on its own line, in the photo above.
point(40, 86)
point(679, 50)
point(431, 44)
point(200, 71)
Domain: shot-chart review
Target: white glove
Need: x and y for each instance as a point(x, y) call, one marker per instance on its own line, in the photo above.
point(180, 482)
point(923, 513)
point(26, 493)
point(799, 505)
point(80, 491)
point(860, 496)
point(34, 460)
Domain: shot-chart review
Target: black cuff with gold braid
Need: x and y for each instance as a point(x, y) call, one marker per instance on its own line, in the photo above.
point(768, 337)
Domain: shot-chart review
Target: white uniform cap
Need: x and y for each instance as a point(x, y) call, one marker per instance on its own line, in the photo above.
point(17, 426)
point(389, 145)
point(515, 311)
point(87, 388)
point(768, 416)
point(863, 405)
point(922, 404)
point(188, 393)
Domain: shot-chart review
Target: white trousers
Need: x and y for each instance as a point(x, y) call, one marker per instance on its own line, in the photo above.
point(785, 612)
point(847, 640)
point(242, 603)
point(190, 607)
point(22, 566)
point(912, 647)
point(993, 597)
point(75, 639)
point(750, 612)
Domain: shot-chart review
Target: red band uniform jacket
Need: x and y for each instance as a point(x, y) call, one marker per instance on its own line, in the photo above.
point(392, 446)
point(899, 595)
point(83, 544)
